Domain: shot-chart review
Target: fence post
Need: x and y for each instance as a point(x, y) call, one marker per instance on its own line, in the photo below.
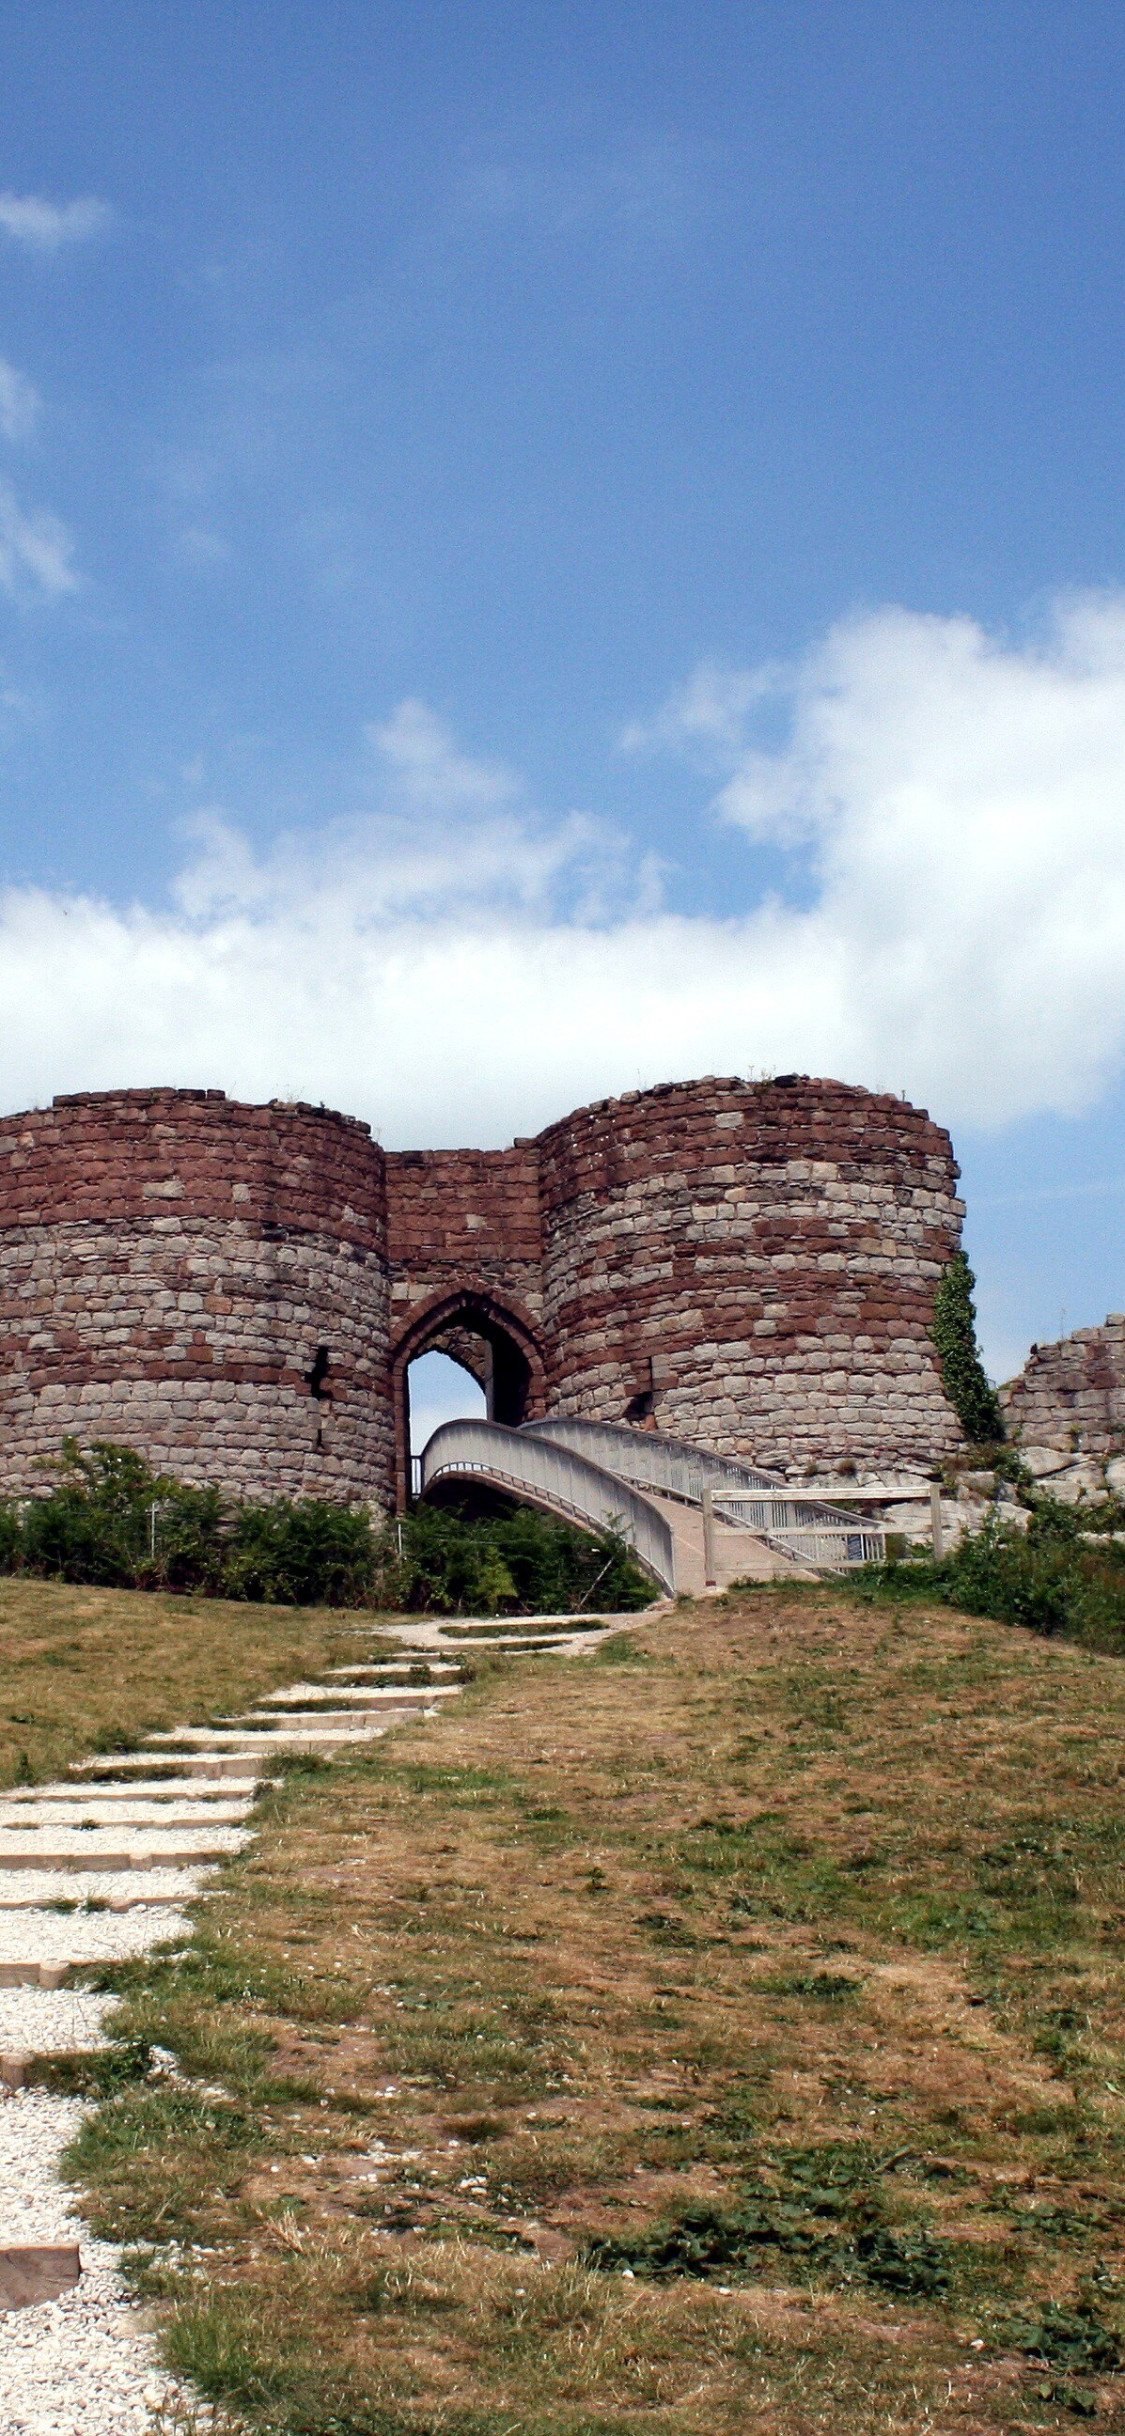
point(936, 1532)
point(709, 1538)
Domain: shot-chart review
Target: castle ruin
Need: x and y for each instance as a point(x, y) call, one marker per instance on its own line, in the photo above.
point(238, 1291)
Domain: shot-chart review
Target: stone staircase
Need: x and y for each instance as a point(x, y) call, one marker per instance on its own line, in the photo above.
point(98, 1867)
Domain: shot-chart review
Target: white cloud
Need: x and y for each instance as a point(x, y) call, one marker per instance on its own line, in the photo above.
point(35, 550)
point(19, 403)
point(43, 227)
point(458, 968)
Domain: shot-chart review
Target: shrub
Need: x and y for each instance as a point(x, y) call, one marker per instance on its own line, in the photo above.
point(1048, 1578)
point(522, 1562)
point(110, 1519)
point(302, 1552)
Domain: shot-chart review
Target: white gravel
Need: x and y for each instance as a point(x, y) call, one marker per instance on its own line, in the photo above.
point(88, 1936)
point(139, 1842)
point(51, 2021)
point(84, 2365)
point(196, 1789)
point(74, 1809)
point(81, 2365)
point(20, 1888)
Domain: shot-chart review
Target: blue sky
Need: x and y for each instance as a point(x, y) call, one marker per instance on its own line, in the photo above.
point(544, 548)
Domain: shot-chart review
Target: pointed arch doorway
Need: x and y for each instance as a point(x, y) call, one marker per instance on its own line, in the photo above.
point(496, 1345)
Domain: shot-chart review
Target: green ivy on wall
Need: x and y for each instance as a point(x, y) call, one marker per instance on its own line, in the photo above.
point(955, 1336)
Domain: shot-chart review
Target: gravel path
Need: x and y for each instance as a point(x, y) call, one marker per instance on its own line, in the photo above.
point(21, 1887)
point(81, 2365)
point(73, 1810)
point(85, 2365)
point(51, 2021)
point(87, 1936)
point(142, 1843)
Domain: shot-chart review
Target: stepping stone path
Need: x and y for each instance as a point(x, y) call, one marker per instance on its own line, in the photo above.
point(97, 1868)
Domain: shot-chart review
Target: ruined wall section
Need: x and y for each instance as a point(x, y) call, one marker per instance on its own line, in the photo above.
point(170, 1263)
point(463, 1222)
point(753, 1267)
point(1070, 1396)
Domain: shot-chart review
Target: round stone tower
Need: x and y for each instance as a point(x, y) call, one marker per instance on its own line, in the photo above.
point(752, 1266)
point(201, 1280)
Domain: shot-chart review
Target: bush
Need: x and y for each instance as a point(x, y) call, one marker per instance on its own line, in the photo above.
point(516, 1563)
point(302, 1552)
point(1049, 1577)
point(110, 1519)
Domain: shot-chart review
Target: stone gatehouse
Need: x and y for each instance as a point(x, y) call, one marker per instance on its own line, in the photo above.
point(239, 1290)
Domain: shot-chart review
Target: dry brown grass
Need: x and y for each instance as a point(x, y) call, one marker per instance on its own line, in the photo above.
point(88, 1670)
point(777, 1883)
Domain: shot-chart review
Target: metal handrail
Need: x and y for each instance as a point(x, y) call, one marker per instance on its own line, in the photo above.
point(654, 1461)
point(827, 1547)
point(651, 1458)
point(562, 1478)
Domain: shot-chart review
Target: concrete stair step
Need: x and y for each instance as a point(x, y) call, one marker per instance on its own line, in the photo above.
point(122, 1766)
point(356, 1702)
point(112, 1890)
point(34, 1974)
point(393, 1669)
point(303, 1738)
point(340, 1712)
point(267, 1733)
point(207, 1793)
point(32, 2272)
point(176, 1853)
point(120, 1820)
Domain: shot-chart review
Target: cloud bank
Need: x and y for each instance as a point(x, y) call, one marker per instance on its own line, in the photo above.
point(458, 967)
point(42, 227)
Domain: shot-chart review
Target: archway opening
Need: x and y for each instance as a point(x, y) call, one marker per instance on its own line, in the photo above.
point(438, 1389)
point(466, 1357)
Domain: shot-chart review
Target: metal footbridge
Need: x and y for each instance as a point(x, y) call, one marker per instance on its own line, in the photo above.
point(693, 1520)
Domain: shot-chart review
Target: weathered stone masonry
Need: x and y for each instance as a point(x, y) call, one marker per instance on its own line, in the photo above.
point(1070, 1396)
point(239, 1290)
point(170, 1264)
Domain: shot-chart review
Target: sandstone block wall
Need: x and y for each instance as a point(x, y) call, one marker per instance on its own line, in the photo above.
point(239, 1291)
point(171, 1264)
point(752, 1266)
point(1071, 1395)
point(463, 1220)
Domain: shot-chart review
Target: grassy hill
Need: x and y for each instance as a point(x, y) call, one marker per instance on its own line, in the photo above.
point(722, 2033)
point(86, 1670)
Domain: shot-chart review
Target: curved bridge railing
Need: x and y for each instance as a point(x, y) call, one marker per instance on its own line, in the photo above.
point(556, 1476)
point(823, 1536)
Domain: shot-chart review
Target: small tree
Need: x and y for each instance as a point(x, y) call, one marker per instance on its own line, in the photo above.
point(955, 1336)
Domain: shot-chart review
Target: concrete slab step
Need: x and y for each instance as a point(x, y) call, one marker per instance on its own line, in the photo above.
point(33, 1974)
point(82, 1815)
point(43, 1890)
point(357, 1700)
point(355, 1714)
point(208, 1794)
point(83, 1852)
point(124, 1765)
point(32, 2272)
point(238, 1738)
point(391, 1669)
